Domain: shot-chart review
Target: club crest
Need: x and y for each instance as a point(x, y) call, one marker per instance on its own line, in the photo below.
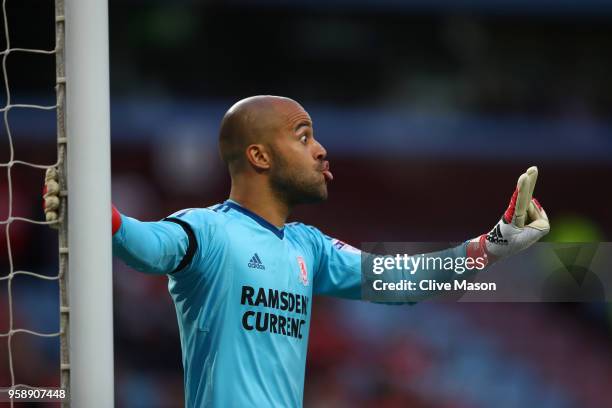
point(303, 271)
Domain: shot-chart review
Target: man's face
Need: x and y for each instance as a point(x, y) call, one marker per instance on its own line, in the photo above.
point(299, 171)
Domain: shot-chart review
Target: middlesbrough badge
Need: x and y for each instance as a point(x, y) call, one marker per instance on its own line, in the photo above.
point(303, 271)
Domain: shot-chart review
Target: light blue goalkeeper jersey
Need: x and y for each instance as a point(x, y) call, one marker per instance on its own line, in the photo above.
point(243, 293)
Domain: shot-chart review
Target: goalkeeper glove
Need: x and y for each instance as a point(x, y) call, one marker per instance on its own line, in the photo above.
point(523, 223)
point(51, 199)
point(51, 204)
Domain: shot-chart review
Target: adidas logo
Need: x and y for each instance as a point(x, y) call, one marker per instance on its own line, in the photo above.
point(496, 237)
point(255, 262)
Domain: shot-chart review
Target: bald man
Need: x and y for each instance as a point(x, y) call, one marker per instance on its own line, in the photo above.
point(242, 279)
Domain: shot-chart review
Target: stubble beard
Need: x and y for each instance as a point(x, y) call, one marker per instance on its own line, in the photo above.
point(295, 187)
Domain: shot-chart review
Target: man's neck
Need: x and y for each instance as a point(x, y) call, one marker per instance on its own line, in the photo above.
point(263, 203)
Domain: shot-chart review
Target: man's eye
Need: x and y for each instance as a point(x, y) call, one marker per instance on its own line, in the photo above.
point(303, 139)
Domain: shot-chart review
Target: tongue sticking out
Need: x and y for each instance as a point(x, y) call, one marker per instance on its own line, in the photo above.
point(328, 175)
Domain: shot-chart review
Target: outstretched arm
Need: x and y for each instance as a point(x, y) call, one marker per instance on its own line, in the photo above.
point(524, 222)
point(152, 247)
point(348, 273)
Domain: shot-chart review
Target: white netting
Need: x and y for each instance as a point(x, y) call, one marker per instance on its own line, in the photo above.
point(62, 332)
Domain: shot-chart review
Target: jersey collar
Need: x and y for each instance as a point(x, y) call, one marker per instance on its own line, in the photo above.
point(279, 232)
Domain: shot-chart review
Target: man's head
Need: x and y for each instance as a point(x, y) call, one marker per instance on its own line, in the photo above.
point(270, 138)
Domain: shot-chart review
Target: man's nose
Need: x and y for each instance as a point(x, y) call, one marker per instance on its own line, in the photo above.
point(320, 152)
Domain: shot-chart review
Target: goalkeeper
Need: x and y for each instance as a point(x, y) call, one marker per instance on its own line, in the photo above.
point(242, 279)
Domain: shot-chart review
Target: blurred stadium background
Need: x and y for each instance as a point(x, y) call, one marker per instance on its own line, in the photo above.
point(428, 109)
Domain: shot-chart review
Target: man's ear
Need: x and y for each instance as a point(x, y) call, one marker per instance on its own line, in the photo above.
point(259, 156)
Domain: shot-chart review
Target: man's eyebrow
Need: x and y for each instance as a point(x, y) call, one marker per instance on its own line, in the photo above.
point(303, 123)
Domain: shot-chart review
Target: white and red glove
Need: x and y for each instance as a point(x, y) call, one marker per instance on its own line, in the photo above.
point(523, 224)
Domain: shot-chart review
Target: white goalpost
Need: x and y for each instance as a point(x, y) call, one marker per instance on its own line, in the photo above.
point(84, 229)
point(89, 203)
